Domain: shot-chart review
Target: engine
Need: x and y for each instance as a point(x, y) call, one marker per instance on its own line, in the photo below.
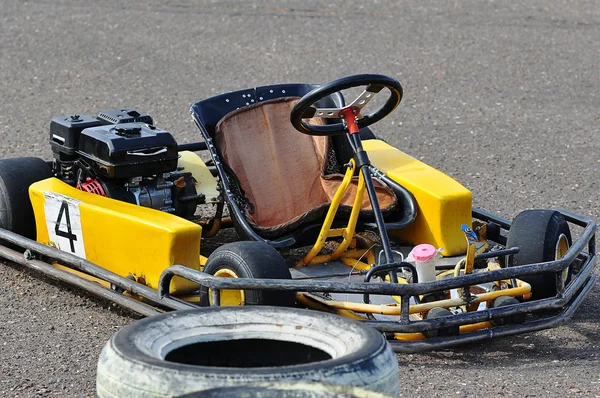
point(121, 155)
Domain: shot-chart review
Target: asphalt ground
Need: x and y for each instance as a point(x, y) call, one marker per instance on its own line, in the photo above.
point(503, 96)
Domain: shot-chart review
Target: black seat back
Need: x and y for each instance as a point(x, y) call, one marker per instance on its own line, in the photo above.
point(208, 112)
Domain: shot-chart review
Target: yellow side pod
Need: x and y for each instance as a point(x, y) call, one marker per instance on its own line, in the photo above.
point(129, 240)
point(443, 204)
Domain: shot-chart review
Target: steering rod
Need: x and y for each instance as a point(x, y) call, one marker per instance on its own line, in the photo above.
point(363, 163)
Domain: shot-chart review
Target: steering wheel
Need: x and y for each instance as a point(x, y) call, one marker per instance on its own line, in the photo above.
point(351, 114)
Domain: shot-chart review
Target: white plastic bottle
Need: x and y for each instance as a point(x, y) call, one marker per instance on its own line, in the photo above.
point(424, 257)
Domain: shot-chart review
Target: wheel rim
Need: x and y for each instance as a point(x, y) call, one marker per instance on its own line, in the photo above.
point(562, 245)
point(229, 298)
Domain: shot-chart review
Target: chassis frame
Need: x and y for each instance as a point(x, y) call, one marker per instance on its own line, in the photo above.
point(545, 313)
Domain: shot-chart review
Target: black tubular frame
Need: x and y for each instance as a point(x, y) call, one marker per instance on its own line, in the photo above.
point(561, 307)
point(546, 313)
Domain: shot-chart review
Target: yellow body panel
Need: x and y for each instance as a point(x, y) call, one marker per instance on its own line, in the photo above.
point(443, 204)
point(205, 182)
point(120, 237)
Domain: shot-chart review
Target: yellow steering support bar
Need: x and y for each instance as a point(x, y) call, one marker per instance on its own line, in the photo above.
point(346, 233)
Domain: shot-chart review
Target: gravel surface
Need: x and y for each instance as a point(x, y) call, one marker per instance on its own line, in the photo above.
point(503, 96)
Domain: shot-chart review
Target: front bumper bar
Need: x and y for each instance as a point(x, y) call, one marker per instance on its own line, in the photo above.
point(546, 313)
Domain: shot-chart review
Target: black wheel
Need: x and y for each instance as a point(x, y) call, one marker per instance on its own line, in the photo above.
point(180, 352)
point(16, 175)
point(503, 301)
point(256, 260)
point(435, 313)
point(542, 235)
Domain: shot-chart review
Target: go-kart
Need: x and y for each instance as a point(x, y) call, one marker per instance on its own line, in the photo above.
point(384, 238)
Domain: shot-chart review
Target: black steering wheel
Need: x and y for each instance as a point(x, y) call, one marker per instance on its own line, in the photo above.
point(305, 109)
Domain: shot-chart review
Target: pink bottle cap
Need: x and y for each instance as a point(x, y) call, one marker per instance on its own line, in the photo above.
point(423, 252)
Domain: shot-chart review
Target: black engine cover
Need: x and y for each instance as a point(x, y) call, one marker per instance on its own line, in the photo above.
point(128, 150)
point(65, 131)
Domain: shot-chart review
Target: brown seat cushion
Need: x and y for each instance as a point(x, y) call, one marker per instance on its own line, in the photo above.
point(281, 171)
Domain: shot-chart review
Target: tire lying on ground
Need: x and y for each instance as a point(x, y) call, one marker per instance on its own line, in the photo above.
point(286, 390)
point(188, 351)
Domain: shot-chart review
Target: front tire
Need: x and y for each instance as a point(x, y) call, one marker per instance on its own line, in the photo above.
point(542, 235)
point(504, 301)
point(436, 313)
point(255, 260)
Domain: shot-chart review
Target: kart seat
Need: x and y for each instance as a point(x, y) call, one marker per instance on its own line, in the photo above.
point(284, 179)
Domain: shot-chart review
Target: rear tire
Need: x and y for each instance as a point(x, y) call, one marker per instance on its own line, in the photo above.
point(256, 260)
point(16, 175)
point(540, 234)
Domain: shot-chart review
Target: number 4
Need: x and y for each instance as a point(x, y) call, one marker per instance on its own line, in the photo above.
point(64, 209)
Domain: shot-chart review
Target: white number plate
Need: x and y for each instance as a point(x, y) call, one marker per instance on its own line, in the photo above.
point(64, 223)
